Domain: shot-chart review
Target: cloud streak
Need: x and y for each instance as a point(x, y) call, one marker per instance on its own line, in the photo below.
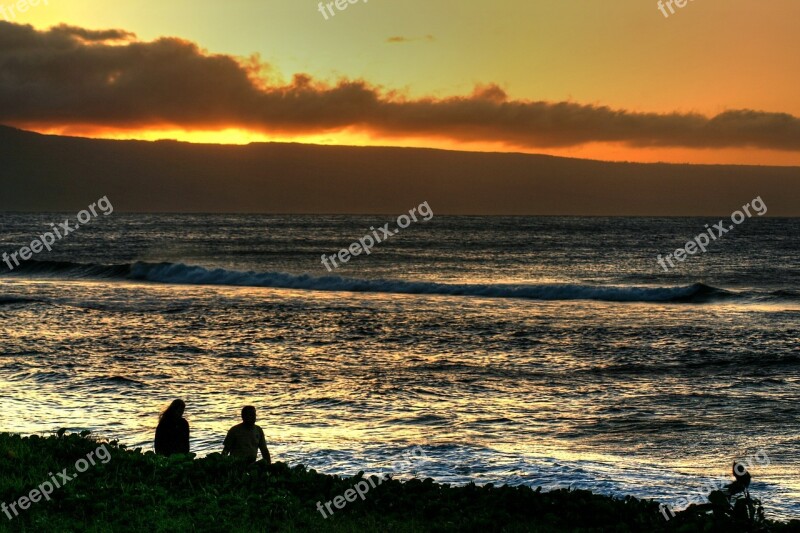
point(401, 39)
point(68, 76)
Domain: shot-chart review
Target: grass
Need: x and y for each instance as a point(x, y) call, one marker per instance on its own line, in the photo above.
point(135, 491)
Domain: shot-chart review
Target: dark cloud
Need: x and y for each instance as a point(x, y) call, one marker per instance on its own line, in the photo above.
point(93, 35)
point(71, 76)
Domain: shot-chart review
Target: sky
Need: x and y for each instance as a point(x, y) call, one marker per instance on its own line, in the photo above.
point(713, 82)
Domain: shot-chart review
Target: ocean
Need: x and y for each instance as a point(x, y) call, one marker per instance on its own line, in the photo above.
point(545, 351)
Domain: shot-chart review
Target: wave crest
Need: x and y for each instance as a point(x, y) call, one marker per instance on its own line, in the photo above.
point(179, 273)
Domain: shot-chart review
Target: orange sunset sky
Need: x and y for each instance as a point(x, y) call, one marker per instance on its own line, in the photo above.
point(715, 82)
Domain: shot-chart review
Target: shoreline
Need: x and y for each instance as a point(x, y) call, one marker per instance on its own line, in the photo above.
point(94, 485)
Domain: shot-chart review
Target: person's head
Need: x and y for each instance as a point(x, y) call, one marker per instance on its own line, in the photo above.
point(174, 411)
point(249, 415)
point(740, 471)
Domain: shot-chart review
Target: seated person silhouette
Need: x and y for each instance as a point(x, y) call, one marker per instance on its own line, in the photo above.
point(172, 432)
point(742, 482)
point(722, 498)
point(246, 439)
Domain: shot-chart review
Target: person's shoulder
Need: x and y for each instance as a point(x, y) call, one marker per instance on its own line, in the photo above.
point(259, 430)
point(237, 427)
point(183, 422)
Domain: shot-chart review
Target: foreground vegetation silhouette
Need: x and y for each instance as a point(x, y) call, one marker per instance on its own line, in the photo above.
point(138, 491)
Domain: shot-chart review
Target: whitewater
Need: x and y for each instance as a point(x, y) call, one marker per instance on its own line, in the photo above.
point(543, 351)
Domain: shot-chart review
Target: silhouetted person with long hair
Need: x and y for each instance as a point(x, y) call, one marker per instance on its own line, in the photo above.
point(743, 479)
point(172, 433)
point(246, 439)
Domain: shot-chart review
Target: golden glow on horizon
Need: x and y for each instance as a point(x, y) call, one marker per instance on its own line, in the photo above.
point(597, 151)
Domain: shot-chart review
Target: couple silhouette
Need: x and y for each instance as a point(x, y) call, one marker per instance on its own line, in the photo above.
point(243, 440)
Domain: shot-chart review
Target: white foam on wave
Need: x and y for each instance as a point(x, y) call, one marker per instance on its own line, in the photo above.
point(185, 274)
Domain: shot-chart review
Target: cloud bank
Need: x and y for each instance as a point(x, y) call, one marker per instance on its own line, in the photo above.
point(109, 79)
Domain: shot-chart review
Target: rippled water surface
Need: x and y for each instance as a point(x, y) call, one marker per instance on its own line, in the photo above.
point(544, 351)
